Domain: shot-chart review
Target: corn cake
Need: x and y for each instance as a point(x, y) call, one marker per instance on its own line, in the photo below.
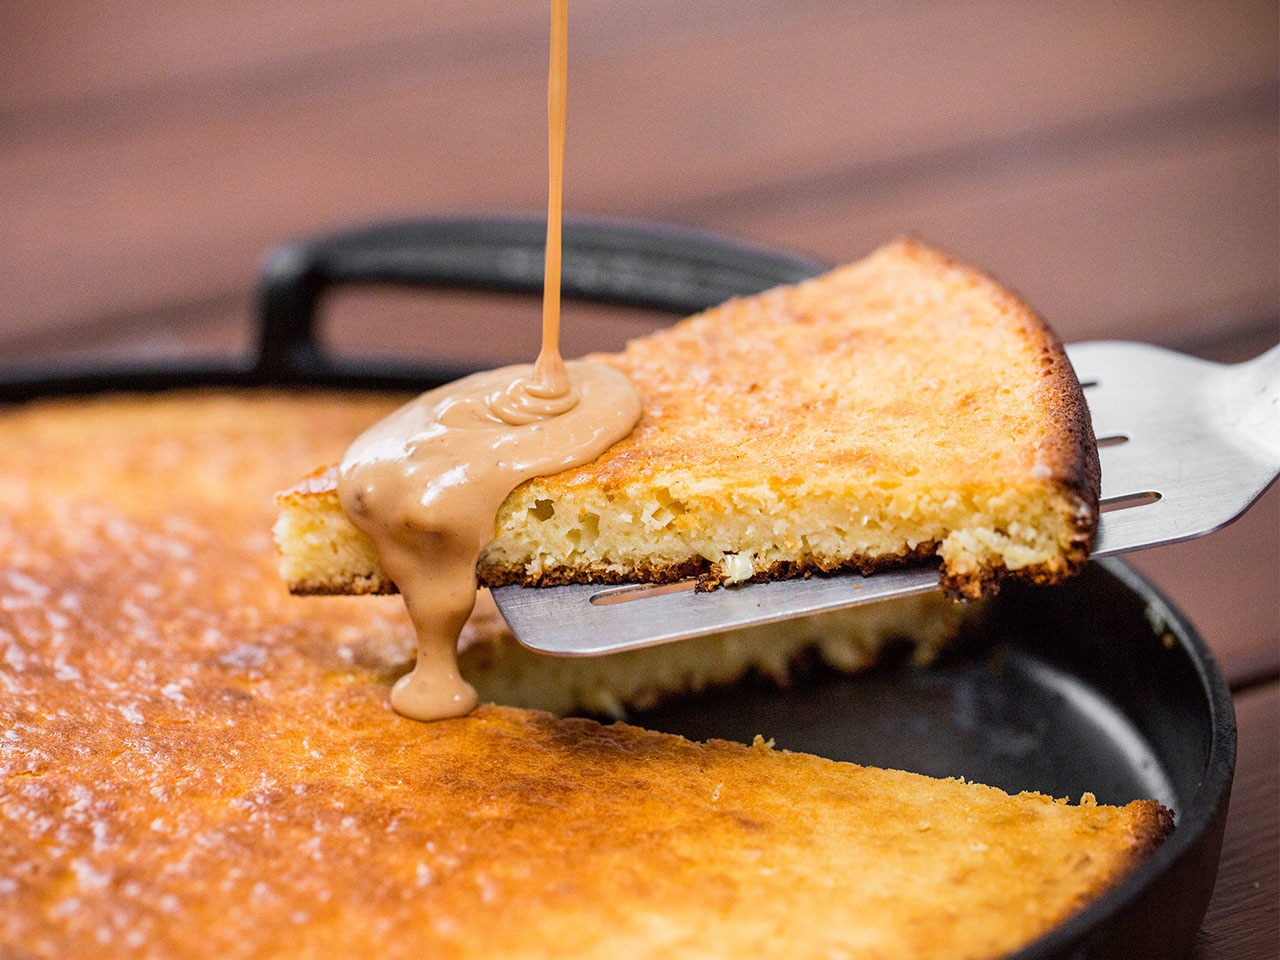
point(306, 822)
point(902, 407)
point(195, 763)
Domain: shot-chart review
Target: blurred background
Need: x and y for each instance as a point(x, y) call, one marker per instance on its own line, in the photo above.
point(1116, 161)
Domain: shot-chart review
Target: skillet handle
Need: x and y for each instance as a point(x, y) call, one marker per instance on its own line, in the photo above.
point(629, 263)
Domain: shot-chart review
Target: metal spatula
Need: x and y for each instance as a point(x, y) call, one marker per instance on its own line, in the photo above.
point(1186, 447)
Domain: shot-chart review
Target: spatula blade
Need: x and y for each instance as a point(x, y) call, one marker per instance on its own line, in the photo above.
point(572, 621)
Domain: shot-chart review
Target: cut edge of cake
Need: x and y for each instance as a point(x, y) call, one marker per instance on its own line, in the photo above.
point(322, 553)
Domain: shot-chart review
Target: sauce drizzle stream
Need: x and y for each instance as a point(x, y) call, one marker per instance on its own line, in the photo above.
point(426, 483)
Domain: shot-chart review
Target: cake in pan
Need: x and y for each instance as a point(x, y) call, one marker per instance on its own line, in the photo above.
point(902, 407)
point(195, 763)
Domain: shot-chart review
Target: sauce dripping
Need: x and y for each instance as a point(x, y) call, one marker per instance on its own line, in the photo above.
point(426, 483)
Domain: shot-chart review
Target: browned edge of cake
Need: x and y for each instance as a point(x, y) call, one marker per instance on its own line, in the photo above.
point(1071, 455)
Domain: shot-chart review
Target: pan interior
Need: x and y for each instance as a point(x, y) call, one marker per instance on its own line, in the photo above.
point(1061, 690)
point(1004, 717)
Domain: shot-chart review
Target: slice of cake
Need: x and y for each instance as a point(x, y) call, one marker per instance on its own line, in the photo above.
point(902, 407)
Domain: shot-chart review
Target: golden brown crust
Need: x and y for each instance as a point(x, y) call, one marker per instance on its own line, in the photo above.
point(1071, 449)
point(196, 764)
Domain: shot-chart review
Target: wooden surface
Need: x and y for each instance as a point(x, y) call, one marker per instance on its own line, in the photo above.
point(1118, 163)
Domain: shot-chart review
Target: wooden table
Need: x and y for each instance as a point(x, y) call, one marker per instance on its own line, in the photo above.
point(1116, 162)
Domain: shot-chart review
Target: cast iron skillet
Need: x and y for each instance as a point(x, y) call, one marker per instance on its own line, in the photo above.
point(1098, 685)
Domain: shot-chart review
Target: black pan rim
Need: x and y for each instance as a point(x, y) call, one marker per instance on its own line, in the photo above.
point(1206, 805)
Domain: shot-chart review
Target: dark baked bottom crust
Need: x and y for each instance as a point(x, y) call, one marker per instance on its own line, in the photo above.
point(986, 583)
point(708, 577)
point(357, 587)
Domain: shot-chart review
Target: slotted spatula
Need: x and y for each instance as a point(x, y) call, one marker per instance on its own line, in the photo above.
point(1186, 447)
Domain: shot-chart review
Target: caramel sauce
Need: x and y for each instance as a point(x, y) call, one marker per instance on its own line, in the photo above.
point(426, 483)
